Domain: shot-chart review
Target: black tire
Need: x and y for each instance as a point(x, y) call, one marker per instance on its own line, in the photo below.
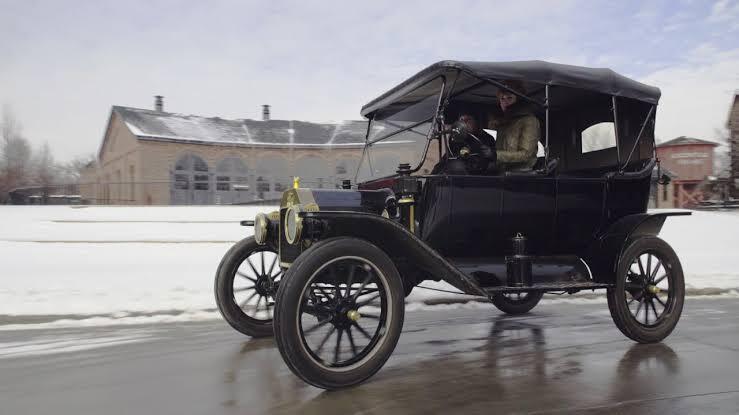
point(235, 268)
point(517, 303)
point(309, 307)
point(640, 287)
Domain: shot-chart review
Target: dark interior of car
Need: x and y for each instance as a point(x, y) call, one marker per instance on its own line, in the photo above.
point(572, 113)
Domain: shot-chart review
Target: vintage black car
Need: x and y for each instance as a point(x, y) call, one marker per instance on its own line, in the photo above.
point(329, 271)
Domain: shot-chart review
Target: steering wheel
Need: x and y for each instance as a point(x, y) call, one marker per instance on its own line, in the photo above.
point(469, 149)
point(460, 133)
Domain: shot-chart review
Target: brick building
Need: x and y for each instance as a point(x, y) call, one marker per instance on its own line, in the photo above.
point(690, 162)
point(160, 158)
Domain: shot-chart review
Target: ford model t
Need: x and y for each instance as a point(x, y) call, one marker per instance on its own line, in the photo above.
point(434, 200)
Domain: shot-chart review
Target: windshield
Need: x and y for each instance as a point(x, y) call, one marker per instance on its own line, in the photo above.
point(399, 133)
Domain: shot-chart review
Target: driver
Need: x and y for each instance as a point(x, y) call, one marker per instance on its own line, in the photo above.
point(484, 143)
point(475, 153)
point(518, 130)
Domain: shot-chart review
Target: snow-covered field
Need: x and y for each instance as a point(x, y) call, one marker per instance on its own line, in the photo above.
point(139, 264)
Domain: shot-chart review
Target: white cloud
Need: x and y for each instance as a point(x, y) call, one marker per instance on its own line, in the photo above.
point(697, 93)
point(725, 11)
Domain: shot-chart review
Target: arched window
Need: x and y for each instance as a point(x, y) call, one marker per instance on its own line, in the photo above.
point(232, 175)
point(232, 181)
point(191, 181)
point(273, 176)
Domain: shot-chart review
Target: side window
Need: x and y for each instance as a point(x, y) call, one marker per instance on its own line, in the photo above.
point(598, 137)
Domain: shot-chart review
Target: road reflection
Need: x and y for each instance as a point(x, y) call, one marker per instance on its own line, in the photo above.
point(256, 380)
point(511, 366)
point(643, 370)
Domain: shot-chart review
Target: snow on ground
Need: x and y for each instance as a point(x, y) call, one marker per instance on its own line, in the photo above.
point(147, 264)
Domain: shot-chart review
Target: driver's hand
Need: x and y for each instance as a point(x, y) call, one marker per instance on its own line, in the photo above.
point(486, 152)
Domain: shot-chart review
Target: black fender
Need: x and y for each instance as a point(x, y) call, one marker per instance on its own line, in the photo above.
point(395, 240)
point(604, 254)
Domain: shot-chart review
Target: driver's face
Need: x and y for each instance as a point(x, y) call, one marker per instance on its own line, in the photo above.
point(469, 121)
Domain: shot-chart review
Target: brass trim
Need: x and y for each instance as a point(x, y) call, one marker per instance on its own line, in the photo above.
point(353, 315)
point(412, 220)
point(260, 228)
point(293, 210)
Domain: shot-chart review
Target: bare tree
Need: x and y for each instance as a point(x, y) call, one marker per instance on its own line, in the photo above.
point(44, 168)
point(71, 171)
point(722, 159)
point(15, 152)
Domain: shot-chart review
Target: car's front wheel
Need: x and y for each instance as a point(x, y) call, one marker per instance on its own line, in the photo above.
point(245, 286)
point(339, 313)
point(647, 300)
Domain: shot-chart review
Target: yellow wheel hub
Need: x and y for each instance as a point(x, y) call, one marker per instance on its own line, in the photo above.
point(353, 315)
point(653, 289)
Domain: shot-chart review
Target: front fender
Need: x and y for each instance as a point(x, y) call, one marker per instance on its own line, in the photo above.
point(396, 241)
point(605, 253)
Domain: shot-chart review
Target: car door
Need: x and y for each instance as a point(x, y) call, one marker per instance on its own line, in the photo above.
point(529, 209)
point(579, 211)
point(476, 228)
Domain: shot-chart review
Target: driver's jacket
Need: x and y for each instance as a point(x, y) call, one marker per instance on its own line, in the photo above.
point(517, 139)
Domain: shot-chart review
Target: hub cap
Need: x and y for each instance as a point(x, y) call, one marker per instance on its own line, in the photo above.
point(255, 284)
point(649, 293)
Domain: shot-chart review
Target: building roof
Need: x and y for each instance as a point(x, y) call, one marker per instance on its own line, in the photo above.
point(685, 141)
point(166, 126)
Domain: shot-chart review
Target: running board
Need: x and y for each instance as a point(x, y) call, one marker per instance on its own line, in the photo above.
point(551, 286)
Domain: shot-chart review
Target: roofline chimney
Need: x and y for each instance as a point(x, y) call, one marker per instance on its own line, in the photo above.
point(159, 103)
point(265, 112)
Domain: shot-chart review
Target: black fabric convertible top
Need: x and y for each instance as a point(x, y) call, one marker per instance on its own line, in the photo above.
point(600, 80)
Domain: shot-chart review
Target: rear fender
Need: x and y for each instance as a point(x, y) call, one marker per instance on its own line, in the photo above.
point(395, 240)
point(606, 251)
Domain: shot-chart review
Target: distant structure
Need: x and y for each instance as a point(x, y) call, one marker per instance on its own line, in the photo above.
point(160, 158)
point(732, 124)
point(689, 162)
point(662, 196)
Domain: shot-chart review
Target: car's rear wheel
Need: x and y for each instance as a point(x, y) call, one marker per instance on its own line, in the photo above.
point(339, 313)
point(517, 303)
point(650, 290)
point(245, 287)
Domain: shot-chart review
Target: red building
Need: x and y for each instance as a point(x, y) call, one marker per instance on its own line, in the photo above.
point(691, 160)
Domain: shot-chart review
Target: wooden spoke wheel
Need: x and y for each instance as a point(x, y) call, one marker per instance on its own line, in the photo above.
point(648, 298)
point(246, 284)
point(340, 313)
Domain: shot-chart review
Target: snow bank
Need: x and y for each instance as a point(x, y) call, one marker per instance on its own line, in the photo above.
point(158, 263)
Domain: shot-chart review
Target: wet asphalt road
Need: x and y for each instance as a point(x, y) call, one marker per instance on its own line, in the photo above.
point(561, 358)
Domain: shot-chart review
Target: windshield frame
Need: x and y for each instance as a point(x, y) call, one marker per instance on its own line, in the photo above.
point(429, 135)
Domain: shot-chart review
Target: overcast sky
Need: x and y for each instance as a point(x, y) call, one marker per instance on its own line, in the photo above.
point(63, 64)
